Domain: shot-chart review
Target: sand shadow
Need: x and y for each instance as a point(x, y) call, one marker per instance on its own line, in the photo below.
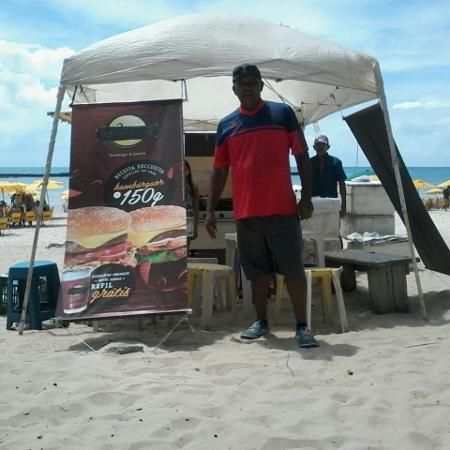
point(154, 333)
point(325, 352)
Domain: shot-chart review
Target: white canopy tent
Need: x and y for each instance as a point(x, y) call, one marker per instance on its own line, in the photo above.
point(192, 57)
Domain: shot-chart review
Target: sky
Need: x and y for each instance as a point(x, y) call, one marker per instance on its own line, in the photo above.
point(410, 39)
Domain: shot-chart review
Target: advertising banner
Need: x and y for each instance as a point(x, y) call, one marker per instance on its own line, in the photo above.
point(126, 226)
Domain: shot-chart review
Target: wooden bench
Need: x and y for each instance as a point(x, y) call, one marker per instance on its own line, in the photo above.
point(386, 274)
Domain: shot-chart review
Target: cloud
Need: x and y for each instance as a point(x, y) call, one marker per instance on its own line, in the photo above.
point(29, 76)
point(409, 38)
point(430, 104)
point(401, 35)
point(32, 59)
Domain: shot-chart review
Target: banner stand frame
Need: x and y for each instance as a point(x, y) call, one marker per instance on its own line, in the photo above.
point(60, 325)
point(185, 318)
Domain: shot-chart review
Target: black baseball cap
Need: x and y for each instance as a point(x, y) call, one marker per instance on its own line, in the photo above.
point(246, 69)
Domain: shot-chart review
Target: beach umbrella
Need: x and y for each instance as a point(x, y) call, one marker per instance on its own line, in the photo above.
point(366, 179)
point(421, 184)
point(7, 186)
point(444, 184)
point(65, 197)
point(366, 173)
point(434, 191)
point(11, 187)
point(52, 184)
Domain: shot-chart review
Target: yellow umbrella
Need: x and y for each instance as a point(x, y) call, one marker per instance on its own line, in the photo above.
point(30, 188)
point(421, 184)
point(434, 191)
point(444, 184)
point(52, 184)
point(7, 186)
point(11, 187)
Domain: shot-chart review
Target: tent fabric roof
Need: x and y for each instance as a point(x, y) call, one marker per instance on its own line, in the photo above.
point(191, 57)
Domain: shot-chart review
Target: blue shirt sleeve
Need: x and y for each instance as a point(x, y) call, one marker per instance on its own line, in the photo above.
point(340, 173)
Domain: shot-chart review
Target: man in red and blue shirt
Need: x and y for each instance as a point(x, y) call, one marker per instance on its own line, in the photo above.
point(255, 142)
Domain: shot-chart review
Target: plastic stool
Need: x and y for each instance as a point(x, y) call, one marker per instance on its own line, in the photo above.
point(43, 293)
point(212, 276)
point(325, 276)
point(3, 292)
point(317, 237)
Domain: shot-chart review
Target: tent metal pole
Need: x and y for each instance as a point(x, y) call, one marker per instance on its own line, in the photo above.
point(51, 147)
point(395, 164)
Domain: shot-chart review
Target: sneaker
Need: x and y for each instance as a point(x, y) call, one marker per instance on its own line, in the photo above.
point(256, 330)
point(305, 338)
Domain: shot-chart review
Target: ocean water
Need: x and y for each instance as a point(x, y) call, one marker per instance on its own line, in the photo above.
point(433, 175)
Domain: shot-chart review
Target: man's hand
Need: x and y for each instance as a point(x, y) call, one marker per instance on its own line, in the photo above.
point(210, 224)
point(305, 208)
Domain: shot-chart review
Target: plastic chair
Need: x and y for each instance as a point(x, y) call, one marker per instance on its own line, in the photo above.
point(3, 223)
point(43, 293)
point(30, 217)
point(16, 218)
point(325, 276)
point(212, 277)
point(47, 215)
point(317, 238)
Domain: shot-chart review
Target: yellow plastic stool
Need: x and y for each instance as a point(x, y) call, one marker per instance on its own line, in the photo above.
point(30, 217)
point(47, 215)
point(325, 276)
point(3, 223)
point(16, 218)
point(212, 276)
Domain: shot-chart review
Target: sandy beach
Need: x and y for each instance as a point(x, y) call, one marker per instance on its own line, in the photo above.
point(382, 385)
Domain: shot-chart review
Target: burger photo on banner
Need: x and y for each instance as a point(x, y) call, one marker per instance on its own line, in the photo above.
point(158, 235)
point(126, 250)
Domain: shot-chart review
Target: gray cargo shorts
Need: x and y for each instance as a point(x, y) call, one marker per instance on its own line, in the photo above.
point(271, 244)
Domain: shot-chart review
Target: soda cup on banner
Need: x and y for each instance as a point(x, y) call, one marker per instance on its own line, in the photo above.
point(75, 285)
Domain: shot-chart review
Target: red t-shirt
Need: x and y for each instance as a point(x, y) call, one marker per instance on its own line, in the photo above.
point(256, 145)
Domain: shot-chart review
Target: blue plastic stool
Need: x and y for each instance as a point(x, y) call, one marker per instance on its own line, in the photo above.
point(3, 292)
point(43, 293)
